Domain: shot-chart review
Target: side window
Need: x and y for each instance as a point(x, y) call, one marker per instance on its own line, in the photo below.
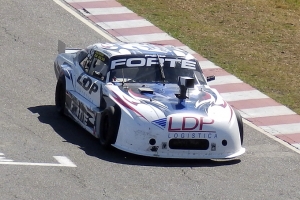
point(82, 57)
point(98, 69)
point(85, 64)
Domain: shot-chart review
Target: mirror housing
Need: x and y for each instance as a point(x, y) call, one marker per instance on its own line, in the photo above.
point(210, 78)
point(184, 83)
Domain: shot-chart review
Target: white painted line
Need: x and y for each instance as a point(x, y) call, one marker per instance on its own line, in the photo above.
point(88, 23)
point(6, 160)
point(266, 111)
point(207, 65)
point(186, 48)
point(63, 162)
point(297, 145)
point(125, 24)
point(146, 37)
point(106, 11)
point(80, 1)
point(3, 159)
point(243, 95)
point(221, 80)
point(282, 128)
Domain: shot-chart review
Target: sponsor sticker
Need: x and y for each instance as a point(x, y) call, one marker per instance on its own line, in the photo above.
point(141, 62)
point(197, 135)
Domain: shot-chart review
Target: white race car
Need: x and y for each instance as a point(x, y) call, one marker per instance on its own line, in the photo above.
point(146, 99)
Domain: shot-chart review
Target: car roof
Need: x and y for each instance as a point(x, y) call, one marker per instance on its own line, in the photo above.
point(140, 49)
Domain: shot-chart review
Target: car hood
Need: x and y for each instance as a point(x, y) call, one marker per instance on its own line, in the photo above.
point(202, 100)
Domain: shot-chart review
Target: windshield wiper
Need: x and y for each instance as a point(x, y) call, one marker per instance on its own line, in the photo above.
point(123, 77)
point(161, 66)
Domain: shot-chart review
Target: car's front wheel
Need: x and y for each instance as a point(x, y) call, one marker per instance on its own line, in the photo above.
point(110, 119)
point(60, 95)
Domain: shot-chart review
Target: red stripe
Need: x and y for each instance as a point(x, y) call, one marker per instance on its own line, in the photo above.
point(215, 71)
point(168, 42)
point(134, 31)
point(199, 57)
point(253, 103)
point(275, 120)
point(96, 4)
point(232, 87)
point(290, 138)
point(114, 17)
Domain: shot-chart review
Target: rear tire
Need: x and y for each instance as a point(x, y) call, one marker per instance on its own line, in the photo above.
point(241, 125)
point(109, 126)
point(60, 95)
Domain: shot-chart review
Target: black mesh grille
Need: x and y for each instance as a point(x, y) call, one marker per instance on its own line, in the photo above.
point(189, 144)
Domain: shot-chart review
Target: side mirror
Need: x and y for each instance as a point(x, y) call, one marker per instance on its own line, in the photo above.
point(210, 78)
point(184, 83)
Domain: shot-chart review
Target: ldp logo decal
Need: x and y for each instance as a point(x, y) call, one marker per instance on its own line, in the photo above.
point(188, 123)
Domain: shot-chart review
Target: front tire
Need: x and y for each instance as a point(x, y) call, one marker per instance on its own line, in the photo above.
point(60, 95)
point(241, 125)
point(110, 120)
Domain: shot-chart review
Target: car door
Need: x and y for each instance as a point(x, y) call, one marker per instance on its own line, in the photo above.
point(90, 83)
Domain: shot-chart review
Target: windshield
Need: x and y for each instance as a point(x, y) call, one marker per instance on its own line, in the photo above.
point(139, 73)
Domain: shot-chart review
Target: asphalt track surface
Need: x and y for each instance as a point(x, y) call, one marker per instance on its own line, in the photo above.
point(32, 132)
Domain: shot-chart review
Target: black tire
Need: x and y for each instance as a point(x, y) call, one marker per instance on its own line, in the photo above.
point(241, 125)
point(109, 126)
point(60, 95)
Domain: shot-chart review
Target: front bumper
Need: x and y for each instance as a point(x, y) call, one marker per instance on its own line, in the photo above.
point(184, 154)
point(148, 140)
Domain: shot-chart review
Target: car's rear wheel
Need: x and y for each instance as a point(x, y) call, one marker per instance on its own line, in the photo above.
point(241, 125)
point(110, 120)
point(60, 95)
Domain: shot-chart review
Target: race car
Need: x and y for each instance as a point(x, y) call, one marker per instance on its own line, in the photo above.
point(146, 99)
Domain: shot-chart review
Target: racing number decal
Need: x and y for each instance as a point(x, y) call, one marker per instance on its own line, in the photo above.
point(87, 83)
point(100, 56)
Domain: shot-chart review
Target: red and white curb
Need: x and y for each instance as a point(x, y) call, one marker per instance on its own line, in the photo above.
point(254, 106)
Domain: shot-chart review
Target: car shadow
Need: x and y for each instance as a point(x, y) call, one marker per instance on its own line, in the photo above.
point(74, 134)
